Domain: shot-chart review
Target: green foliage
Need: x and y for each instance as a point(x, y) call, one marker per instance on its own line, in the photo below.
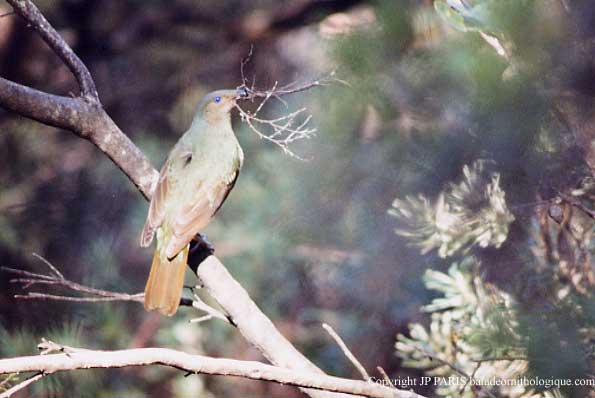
point(534, 319)
point(469, 213)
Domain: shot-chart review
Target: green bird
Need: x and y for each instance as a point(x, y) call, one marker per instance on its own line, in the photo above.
point(195, 180)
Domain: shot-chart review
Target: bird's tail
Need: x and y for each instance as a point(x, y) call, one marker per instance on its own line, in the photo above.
point(165, 283)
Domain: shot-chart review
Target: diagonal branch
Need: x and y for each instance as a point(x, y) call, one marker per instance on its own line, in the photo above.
point(30, 12)
point(23, 384)
point(72, 358)
point(83, 115)
point(352, 358)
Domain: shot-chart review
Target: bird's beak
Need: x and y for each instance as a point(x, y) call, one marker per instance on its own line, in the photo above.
point(242, 93)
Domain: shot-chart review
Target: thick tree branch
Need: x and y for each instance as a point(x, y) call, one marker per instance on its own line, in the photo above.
point(83, 115)
point(76, 358)
point(54, 110)
point(86, 119)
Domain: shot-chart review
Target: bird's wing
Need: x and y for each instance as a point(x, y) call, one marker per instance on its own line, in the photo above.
point(156, 207)
point(193, 216)
point(179, 157)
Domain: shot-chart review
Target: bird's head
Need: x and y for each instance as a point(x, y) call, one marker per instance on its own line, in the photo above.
point(216, 106)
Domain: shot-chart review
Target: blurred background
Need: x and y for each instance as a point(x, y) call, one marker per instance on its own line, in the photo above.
point(504, 87)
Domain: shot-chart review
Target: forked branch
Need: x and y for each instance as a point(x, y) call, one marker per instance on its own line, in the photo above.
point(72, 358)
point(77, 292)
point(288, 128)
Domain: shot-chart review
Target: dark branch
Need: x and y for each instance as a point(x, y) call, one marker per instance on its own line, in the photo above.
point(54, 110)
point(84, 115)
point(28, 10)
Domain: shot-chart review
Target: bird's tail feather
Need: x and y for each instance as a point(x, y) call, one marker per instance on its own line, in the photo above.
point(165, 283)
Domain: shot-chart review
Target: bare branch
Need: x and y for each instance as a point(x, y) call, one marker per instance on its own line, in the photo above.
point(50, 266)
point(57, 279)
point(86, 119)
point(385, 376)
point(84, 115)
point(289, 128)
point(22, 385)
point(73, 358)
point(294, 87)
point(360, 368)
point(211, 312)
point(28, 10)
point(279, 131)
point(245, 61)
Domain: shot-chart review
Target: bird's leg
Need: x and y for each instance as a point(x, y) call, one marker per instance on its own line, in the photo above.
point(205, 241)
point(200, 249)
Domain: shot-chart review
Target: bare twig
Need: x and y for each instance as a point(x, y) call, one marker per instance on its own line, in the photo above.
point(283, 130)
point(360, 368)
point(211, 312)
point(293, 88)
point(385, 376)
point(50, 266)
point(56, 278)
point(245, 61)
point(22, 385)
point(72, 358)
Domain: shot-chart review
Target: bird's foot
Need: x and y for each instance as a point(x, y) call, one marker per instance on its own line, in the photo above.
point(200, 249)
point(202, 238)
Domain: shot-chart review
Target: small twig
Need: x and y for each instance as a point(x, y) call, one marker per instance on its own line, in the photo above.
point(200, 319)
point(360, 368)
point(385, 376)
point(94, 295)
point(199, 304)
point(245, 61)
point(293, 88)
point(56, 278)
point(287, 129)
point(281, 131)
point(50, 266)
point(45, 296)
point(24, 384)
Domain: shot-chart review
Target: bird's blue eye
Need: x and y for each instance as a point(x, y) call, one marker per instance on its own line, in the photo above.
point(217, 99)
